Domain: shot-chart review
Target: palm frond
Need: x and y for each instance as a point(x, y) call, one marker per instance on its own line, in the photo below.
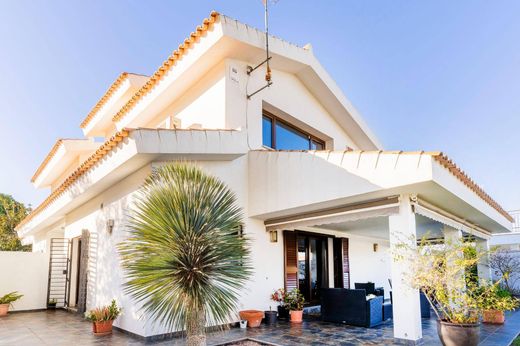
point(184, 252)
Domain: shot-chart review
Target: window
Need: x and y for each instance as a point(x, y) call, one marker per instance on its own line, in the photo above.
point(280, 135)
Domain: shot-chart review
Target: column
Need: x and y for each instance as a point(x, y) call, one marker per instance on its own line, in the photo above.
point(406, 303)
point(483, 268)
point(453, 236)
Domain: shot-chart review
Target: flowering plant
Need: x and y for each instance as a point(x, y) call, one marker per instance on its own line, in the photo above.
point(294, 300)
point(278, 296)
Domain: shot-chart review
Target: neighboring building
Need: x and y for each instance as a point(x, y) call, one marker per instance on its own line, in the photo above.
point(317, 190)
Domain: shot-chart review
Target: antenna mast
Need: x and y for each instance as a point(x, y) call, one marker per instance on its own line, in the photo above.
point(267, 58)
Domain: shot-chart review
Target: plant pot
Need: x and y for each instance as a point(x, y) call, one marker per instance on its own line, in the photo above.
point(51, 307)
point(270, 317)
point(253, 317)
point(243, 324)
point(455, 334)
point(4, 309)
point(102, 328)
point(283, 312)
point(296, 316)
point(493, 316)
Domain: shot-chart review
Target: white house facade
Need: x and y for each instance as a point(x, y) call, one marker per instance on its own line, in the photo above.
point(324, 204)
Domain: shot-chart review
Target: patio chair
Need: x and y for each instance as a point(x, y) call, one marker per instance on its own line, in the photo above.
point(351, 307)
point(370, 287)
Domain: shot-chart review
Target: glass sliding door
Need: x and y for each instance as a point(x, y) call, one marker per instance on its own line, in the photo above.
point(312, 266)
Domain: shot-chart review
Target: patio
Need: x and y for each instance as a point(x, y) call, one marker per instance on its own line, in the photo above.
point(62, 328)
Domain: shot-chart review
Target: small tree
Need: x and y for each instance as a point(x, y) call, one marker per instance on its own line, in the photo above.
point(186, 258)
point(506, 266)
point(11, 213)
point(444, 273)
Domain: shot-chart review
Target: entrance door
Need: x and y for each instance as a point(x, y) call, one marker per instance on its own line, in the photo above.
point(312, 266)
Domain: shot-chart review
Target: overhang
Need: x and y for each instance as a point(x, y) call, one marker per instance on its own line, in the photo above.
point(64, 154)
point(284, 183)
point(123, 154)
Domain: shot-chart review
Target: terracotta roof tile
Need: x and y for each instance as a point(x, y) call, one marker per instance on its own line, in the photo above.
point(167, 65)
point(105, 148)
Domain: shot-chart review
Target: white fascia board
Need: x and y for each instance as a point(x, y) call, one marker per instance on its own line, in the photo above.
point(101, 123)
point(452, 184)
point(68, 151)
point(141, 147)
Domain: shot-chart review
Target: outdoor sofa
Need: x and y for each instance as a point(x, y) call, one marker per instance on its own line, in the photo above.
point(351, 307)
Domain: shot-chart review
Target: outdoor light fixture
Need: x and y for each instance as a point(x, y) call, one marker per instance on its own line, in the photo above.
point(375, 247)
point(110, 225)
point(273, 236)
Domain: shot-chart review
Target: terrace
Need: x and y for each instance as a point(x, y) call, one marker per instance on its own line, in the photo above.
point(63, 328)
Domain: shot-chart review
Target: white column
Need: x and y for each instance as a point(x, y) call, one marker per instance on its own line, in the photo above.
point(483, 268)
point(406, 302)
point(453, 236)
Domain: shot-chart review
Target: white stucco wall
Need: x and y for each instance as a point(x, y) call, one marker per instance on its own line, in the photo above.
point(27, 273)
point(203, 103)
point(286, 98)
point(367, 265)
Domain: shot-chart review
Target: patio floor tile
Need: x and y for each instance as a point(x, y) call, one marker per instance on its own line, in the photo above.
point(62, 328)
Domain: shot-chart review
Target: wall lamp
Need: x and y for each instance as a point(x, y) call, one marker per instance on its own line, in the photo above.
point(273, 236)
point(110, 225)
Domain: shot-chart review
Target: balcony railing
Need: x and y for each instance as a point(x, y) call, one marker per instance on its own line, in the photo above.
point(516, 216)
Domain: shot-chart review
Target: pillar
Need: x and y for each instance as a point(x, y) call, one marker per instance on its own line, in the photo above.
point(406, 302)
point(483, 268)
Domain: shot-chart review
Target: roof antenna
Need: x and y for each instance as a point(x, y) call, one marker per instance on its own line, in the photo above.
point(268, 57)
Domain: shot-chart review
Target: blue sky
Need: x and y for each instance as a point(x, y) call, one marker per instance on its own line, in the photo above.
point(426, 75)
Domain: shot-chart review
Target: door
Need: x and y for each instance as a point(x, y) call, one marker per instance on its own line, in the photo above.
point(83, 272)
point(312, 266)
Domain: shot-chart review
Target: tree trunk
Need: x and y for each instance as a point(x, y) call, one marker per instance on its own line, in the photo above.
point(196, 328)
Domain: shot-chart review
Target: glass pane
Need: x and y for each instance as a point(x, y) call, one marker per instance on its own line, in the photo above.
point(313, 264)
point(267, 126)
point(302, 267)
point(288, 138)
point(316, 145)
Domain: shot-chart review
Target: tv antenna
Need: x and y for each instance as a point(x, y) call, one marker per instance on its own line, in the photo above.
point(251, 69)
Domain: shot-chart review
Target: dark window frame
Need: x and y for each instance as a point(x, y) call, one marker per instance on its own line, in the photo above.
point(274, 119)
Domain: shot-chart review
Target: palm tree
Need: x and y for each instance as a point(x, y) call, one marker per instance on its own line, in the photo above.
point(186, 259)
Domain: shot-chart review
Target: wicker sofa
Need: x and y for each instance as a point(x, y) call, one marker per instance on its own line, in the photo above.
point(351, 307)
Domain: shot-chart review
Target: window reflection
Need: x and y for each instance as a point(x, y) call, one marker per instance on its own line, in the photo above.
point(280, 135)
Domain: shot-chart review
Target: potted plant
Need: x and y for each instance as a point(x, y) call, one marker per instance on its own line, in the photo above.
point(494, 301)
point(253, 317)
point(438, 270)
point(270, 316)
point(278, 296)
point(103, 317)
point(294, 301)
point(51, 305)
point(7, 300)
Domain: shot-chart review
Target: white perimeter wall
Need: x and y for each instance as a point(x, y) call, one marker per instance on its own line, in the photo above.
point(27, 273)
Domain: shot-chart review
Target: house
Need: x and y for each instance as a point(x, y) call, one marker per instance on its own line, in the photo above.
point(324, 204)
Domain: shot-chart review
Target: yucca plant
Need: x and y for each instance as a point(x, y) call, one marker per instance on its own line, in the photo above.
point(186, 259)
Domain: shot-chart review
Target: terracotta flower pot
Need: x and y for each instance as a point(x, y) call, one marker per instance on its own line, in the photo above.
point(493, 316)
point(102, 328)
point(453, 334)
point(4, 309)
point(253, 317)
point(296, 316)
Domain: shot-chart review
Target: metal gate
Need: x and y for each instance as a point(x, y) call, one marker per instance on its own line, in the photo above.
point(58, 288)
